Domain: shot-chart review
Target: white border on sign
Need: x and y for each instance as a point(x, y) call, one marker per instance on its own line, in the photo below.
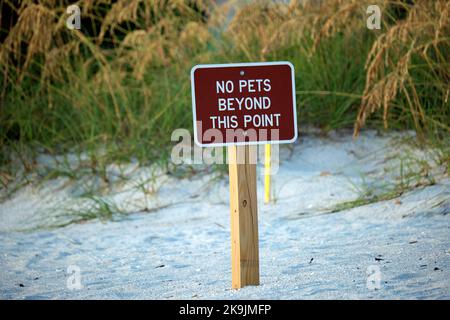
point(250, 64)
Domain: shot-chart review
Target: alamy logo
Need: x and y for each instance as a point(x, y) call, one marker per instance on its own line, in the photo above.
point(374, 20)
point(74, 279)
point(373, 277)
point(185, 152)
point(74, 20)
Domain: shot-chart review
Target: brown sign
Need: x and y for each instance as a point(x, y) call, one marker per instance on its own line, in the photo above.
point(243, 104)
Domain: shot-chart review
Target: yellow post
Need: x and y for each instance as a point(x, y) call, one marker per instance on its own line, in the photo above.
point(267, 164)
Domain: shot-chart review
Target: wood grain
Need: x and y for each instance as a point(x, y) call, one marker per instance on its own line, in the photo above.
point(244, 216)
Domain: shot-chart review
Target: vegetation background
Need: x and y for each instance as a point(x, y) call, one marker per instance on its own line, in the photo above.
point(117, 88)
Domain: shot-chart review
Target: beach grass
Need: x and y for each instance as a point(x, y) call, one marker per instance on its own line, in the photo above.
point(116, 89)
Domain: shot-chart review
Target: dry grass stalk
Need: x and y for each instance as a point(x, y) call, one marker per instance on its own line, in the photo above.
point(172, 32)
point(390, 59)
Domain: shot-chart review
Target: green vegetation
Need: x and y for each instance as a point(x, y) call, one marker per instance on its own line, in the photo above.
point(407, 181)
point(116, 89)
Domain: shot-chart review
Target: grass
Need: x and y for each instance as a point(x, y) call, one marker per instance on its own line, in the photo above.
point(377, 195)
point(116, 89)
point(413, 172)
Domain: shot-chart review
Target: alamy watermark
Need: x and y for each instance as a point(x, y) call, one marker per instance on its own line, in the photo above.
point(74, 19)
point(374, 20)
point(373, 281)
point(187, 152)
point(74, 280)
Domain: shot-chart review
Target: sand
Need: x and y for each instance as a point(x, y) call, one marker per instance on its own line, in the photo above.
point(174, 243)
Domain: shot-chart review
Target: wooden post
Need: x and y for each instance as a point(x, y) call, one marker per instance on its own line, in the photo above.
point(244, 216)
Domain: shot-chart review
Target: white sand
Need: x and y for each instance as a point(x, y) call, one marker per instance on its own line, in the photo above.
point(182, 250)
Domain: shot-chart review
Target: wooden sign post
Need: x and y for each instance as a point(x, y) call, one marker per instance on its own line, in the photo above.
point(244, 216)
point(240, 106)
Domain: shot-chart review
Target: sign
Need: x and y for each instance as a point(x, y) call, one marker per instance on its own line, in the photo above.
point(237, 105)
point(244, 104)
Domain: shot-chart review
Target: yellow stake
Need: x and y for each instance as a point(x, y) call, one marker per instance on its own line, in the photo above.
point(267, 164)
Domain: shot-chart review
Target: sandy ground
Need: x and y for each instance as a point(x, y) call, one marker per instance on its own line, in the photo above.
point(179, 246)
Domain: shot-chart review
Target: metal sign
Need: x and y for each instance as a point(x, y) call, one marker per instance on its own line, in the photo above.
point(244, 104)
